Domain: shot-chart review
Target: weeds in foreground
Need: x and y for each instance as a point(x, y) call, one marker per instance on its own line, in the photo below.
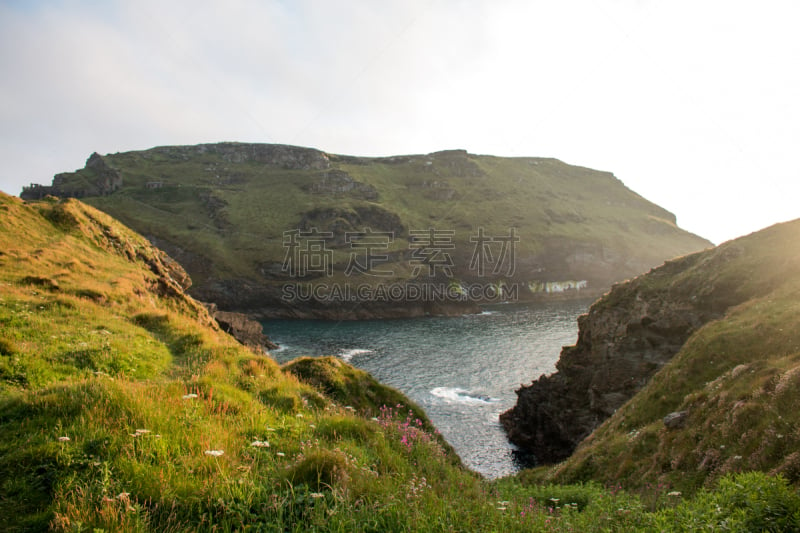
point(122, 410)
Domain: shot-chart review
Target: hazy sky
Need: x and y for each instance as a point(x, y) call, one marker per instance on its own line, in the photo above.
point(695, 105)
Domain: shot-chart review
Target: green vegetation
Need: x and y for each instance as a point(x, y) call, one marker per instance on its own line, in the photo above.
point(124, 408)
point(222, 211)
point(736, 377)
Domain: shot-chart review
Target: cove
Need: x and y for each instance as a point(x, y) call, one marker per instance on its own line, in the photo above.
point(462, 370)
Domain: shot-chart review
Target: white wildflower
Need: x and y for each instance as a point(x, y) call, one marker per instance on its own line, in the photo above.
point(189, 396)
point(64, 439)
point(214, 453)
point(259, 444)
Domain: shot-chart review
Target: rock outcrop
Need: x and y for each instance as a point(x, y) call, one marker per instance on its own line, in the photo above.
point(242, 328)
point(624, 339)
point(339, 183)
point(274, 155)
point(101, 180)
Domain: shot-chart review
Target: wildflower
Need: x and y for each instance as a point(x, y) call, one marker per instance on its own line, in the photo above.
point(259, 444)
point(674, 493)
point(317, 495)
point(312, 426)
point(190, 396)
point(270, 429)
point(123, 495)
point(349, 407)
point(280, 454)
point(501, 508)
point(63, 439)
point(299, 415)
point(214, 453)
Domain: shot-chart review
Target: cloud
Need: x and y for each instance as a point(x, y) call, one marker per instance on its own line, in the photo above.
point(692, 105)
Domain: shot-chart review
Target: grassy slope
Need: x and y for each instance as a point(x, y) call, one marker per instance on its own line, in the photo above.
point(544, 198)
point(114, 385)
point(90, 350)
point(738, 378)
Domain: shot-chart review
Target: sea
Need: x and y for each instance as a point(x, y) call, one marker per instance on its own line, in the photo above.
point(463, 371)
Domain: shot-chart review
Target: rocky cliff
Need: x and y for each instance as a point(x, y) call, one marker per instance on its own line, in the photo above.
point(258, 226)
point(242, 328)
point(99, 179)
point(625, 338)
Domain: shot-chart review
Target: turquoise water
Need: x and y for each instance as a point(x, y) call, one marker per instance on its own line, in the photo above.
point(462, 370)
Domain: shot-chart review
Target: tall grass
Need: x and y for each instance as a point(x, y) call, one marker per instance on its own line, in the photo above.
point(122, 408)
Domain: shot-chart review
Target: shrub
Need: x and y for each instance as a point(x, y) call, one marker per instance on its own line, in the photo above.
point(751, 501)
point(318, 469)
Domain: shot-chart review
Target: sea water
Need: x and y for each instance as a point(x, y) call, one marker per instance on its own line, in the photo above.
point(462, 371)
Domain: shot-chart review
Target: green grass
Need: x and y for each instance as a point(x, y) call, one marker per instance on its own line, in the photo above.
point(557, 210)
point(117, 397)
point(736, 376)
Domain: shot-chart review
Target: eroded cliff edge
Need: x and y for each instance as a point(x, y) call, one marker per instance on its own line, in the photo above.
point(626, 337)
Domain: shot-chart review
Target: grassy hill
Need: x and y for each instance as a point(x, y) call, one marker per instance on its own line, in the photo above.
point(224, 210)
point(123, 407)
point(734, 385)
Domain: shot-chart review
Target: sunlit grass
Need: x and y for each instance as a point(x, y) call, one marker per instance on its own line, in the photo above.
point(122, 408)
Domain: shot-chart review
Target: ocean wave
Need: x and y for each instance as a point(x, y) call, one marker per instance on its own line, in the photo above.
point(455, 394)
point(347, 355)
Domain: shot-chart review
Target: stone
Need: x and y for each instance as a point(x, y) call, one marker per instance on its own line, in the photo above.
point(626, 337)
point(675, 420)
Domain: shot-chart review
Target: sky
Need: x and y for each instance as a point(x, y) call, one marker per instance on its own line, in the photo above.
point(695, 105)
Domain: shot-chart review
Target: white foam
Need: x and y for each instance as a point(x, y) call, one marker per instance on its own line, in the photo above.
point(457, 395)
point(347, 355)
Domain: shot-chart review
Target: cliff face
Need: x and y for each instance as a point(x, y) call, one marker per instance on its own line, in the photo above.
point(708, 346)
point(99, 179)
point(625, 338)
point(257, 226)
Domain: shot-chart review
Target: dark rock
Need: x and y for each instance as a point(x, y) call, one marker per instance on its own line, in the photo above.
point(626, 337)
point(102, 181)
point(340, 221)
point(244, 329)
point(675, 420)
